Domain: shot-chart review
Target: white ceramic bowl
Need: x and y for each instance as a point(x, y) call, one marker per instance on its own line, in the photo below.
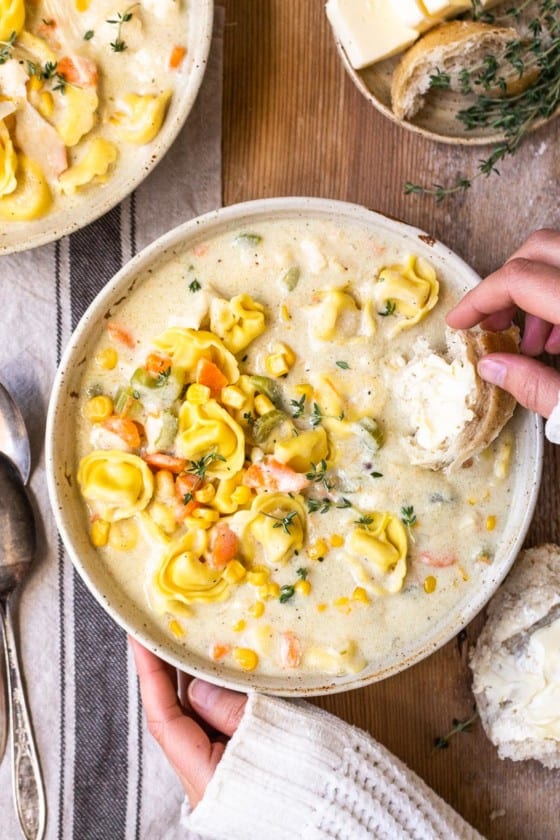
point(81, 209)
point(70, 513)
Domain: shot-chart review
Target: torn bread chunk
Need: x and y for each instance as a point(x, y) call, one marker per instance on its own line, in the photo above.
point(516, 662)
point(453, 413)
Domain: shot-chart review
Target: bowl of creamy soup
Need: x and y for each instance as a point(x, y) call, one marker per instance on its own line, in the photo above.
point(92, 94)
point(240, 443)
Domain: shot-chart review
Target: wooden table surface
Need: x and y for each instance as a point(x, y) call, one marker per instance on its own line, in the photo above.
point(294, 124)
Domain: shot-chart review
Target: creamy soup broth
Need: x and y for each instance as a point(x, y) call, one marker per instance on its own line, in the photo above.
point(359, 554)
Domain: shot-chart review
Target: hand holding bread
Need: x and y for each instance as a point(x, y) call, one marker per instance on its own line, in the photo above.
point(529, 281)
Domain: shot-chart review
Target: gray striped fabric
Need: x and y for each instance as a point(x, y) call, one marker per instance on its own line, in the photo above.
point(105, 777)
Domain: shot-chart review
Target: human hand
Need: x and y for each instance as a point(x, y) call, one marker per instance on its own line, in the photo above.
point(191, 752)
point(530, 280)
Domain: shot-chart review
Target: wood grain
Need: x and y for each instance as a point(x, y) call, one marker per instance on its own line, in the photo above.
point(294, 124)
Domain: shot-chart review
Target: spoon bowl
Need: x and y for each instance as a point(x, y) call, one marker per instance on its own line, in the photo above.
point(14, 441)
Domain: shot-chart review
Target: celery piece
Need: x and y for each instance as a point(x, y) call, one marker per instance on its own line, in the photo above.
point(266, 423)
point(127, 402)
point(268, 387)
point(290, 278)
point(166, 438)
point(375, 437)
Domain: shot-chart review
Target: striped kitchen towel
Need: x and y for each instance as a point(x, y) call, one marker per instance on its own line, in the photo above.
point(105, 777)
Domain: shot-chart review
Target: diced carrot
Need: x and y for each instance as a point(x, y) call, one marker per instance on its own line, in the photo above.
point(177, 55)
point(218, 651)
point(121, 334)
point(209, 374)
point(161, 461)
point(78, 70)
point(290, 650)
point(223, 546)
point(272, 475)
point(126, 429)
point(437, 561)
point(157, 363)
point(185, 486)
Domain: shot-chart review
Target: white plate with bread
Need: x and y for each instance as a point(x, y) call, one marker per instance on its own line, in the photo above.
point(409, 60)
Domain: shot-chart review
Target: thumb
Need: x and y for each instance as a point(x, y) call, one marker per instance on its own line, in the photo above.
point(220, 707)
point(533, 384)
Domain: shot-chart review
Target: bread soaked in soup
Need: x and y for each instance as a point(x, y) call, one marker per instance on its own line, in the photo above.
point(268, 448)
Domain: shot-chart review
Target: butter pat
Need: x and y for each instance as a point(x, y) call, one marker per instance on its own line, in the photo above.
point(443, 9)
point(369, 30)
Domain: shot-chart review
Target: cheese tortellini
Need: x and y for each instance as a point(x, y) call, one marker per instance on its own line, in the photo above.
point(32, 196)
point(8, 162)
point(377, 552)
point(116, 484)
point(210, 429)
point(99, 156)
point(12, 18)
point(237, 321)
point(301, 451)
point(77, 115)
point(186, 347)
point(142, 117)
point(183, 577)
point(409, 290)
point(335, 316)
point(273, 528)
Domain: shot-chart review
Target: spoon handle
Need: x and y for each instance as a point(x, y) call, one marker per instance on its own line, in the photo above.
point(3, 698)
point(29, 791)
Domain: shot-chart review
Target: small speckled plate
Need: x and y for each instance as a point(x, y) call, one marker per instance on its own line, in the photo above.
point(71, 516)
point(88, 205)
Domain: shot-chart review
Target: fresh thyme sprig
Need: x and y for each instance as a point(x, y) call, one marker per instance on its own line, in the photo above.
point(6, 48)
point(442, 742)
point(324, 505)
point(318, 474)
point(298, 406)
point(511, 115)
point(200, 467)
point(118, 45)
point(284, 522)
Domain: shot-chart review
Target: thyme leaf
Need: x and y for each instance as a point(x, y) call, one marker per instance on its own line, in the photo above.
point(200, 467)
point(442, 742)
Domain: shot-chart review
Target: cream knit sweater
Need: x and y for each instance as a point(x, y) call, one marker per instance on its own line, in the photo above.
point(293, 771)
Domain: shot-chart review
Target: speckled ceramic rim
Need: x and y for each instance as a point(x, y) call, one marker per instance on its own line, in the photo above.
point(55, 225)
point(68, 507)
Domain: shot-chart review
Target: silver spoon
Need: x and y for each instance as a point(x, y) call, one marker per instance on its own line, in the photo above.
point(17, 550)
point(14, 441)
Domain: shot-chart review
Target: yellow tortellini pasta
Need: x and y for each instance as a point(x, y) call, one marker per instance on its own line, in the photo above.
point(237, 321)
point(335, 316)
point(183, 578)
point(231, 494)
point(100, 155)
point(273, 528)
point(345, 659)
point(115, 483)
point(77, 116)
point(32, 196)
point(12, 18)
point(377, 553)
point(142, 118)
point(186, 347)
point(410, 290)
point(301, 451)
point(209, 428)
point(8, 162)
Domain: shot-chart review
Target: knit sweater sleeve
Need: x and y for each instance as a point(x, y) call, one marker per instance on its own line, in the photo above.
point(292, 770)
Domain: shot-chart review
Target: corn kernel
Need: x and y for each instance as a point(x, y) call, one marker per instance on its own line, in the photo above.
point(341, 602)
point(239, 625)
point(490, 523)
point(268, 590)
point(99, 533)
point(234, 572)
point(503, 460)
point(287, 352)
point(123, 535)
point(462, 572)
point(322, 607)
point(285, 313)
point(257, 578)
point(246, 658)
point(303, 587)
point(430, 584)
point(98, 409)
point(256, 609)
point(232, 397)
point(304, 389)
point(35, 83)
point(241, 495)
point(472, 500)
point(163, 516)
point(176, 629)
point(360, 594)
point(263, 404)
point(206, 514)
point(318, 550)
point(107, 359)
point(206, 494)
point(336, 540)
point(276, 365)
point(198, 394)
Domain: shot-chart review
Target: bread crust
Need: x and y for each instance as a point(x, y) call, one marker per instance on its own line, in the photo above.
point(449, 48)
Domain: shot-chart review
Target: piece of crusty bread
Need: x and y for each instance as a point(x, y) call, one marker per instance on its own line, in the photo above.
point(450, 48)
point(517, 700)
point(491, 407)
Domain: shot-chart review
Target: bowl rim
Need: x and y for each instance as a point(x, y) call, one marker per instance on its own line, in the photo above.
point(214, 222)
point(204, 11)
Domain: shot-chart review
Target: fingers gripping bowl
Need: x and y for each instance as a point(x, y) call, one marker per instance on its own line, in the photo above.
point(252, 449)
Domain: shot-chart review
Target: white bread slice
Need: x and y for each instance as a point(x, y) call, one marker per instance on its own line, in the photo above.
point(450, 48)
point(516, 662)
point(453, 413)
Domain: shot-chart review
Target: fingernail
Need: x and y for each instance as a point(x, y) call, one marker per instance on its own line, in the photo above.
point(203, 694)
point(492, 371)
